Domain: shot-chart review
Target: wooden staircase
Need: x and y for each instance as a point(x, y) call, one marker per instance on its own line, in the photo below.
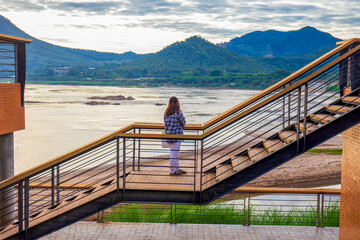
point(261, 150)
point(217, 172)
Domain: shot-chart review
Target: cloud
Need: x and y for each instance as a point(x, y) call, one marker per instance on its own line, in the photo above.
point(216, 20)
point(190, 27)
point(20, 5)
point(83, 26)
point(216, 17)
point(351, 20)
point(97, 7)
point(59, 40)
point(124, 7)
point(281, 8)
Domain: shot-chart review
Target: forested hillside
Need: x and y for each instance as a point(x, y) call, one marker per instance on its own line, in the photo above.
point(273, 43)
point(255, 60)
point(41, 54)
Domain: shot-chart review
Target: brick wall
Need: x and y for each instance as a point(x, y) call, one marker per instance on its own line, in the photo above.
point(350, 185)
point(12, 115)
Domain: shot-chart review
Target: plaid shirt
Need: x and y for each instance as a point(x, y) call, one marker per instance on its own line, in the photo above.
point(175, 123)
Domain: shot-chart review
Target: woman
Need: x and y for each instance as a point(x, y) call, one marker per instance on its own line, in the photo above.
point(174, 124)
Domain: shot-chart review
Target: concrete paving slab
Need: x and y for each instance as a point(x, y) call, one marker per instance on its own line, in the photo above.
point(149, 231)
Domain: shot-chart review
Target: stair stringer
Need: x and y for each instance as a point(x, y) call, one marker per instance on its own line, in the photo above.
point(281, 156)
point(104, 202)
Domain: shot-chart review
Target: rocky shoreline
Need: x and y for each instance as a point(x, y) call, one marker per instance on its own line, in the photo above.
point(112, 98)
point(108, 98)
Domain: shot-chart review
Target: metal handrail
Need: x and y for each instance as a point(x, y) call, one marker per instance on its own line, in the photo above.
point(238, 190)
point(12, 39)
point(125, 131)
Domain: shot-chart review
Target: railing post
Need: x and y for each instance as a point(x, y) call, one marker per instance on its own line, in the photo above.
point(195, 167)
point(175, 213)
point(134, 141)
point(322, 210)
point(244, 221)
point(52, 186)
point(20, 208)
point(201, 166)
point(283, 112)
point(318, 210)
point(248, 209)
point(298, 120)
point(57, 184)
point(305, 113)
point(124, 166)
point(26, 207)
point(171, 213)
point(139, 151)
point(289, 108)
point(117, 166)
point(100, 217)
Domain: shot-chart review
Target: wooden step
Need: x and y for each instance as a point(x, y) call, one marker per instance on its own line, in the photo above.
point(352, 100)
point(288, 136)
point(257, 153)
point(339, 109)
point(47, 211)
point(272, 145)
point(309, 127)
point(223, 171)
point(159, 180)
point(9, 231)
point(322, 118)
point(239, 162)
point(208, 180)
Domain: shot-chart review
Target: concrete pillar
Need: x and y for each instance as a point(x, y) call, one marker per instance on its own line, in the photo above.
point(6, 171)
point(6, 156)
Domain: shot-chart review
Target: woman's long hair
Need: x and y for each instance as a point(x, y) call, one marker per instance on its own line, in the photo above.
point(173, 107)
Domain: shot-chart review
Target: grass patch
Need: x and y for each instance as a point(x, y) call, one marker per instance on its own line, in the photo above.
point(135, 212)
point(223, 214)
point(298, 216)
point(326, 151)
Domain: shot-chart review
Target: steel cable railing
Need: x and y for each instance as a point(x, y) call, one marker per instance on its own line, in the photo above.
point(244, 208)
point(7, 63)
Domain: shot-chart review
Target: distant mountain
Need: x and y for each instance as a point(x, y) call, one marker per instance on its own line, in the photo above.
point(195, 54)
point(273, 43)
point(40, 53)
point(256, 52)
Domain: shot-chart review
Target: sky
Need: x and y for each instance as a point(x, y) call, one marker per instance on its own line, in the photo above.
point(145, 26)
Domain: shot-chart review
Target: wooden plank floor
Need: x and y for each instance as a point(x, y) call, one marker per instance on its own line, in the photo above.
point(159, 180)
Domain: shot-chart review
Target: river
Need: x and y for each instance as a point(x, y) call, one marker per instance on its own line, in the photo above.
point(58, 120)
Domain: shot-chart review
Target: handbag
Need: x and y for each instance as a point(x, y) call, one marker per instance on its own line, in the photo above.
point(164, 142)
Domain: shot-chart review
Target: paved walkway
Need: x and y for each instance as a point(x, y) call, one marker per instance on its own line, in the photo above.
point(147, 231)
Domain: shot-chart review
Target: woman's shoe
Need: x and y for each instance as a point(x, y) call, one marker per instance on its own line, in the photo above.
point(176, 173)
point(182, 172)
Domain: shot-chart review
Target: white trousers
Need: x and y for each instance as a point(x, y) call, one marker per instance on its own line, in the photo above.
point(174, 156)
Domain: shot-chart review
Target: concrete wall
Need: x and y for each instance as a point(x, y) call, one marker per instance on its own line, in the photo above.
point(12, 115)
point(350, 185)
